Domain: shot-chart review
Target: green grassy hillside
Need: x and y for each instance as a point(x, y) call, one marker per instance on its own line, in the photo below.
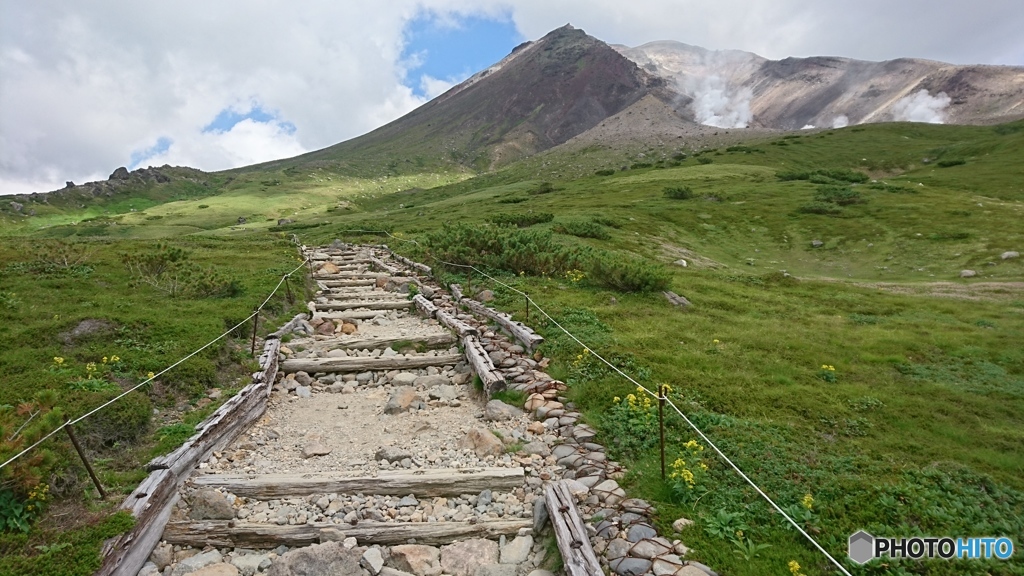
point(838, 248)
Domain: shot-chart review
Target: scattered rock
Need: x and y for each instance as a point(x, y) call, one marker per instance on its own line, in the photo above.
point(676, 299)
point(517, 551)
point(249, 564)
point(391, 454)
point(1009, 255)
point(681, 523)
point(485, 296)
point(220, 569)
point(149, 569)
point(315, 448)
point(348, 328)
point(463, 558)
point(417, 559)
point(680, 262)
point(329, 268)
point(630, 566)
point(327, 558)
point(209, 504)
point(402, 400)
point(372, 560)
point(162, 556)
point(817, 243)
point(325, 328)
point(968, 273)
point(86, 329)
point(482, 442)
point(303, 392)
point(193, 563)
point(496, 410)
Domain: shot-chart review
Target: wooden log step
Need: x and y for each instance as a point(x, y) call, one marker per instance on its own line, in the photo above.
point(421, 267)
point(348, 283)
point(422, 483)
point(349, 276)
point(362, 294)
point(368, 304)
point(461, 328)
point(573, 542)
point(456, 291)
point(493, 380)
point(435, 341)
point(351, 314)
point(221, 533)
point(362, 364)
point(521, 331)
point(380, 265)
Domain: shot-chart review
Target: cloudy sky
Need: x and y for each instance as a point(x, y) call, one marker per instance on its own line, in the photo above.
point(86, 87)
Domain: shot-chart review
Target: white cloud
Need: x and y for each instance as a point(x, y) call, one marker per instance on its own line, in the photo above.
point(434, 87)
point(86, 85)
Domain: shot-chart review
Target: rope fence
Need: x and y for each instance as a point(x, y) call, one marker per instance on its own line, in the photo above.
point(639, 386)
point(158, 374)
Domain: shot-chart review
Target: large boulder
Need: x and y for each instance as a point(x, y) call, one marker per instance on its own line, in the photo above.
point(463, 558)
point(208, 504)
point(402, 400)
point(120, 174)
point(329, 268)
point(416, 559)
point(496, 410)
point(482, 442)
point(325, 559)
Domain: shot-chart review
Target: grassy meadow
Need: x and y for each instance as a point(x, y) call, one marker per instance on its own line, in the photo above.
point(831, 348)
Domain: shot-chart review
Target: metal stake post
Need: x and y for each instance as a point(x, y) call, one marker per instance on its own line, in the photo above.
point(255, 323)
point(81, 454)
point(288, 290)
point(661, 426)
point(527, 300)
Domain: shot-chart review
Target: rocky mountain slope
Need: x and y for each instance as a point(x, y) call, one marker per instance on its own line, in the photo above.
point(736, 89)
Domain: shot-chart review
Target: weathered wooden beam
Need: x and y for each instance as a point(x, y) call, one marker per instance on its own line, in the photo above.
point(362, 294)
point(422, 483)
point(361, 364)
point(412, 264)
point(382, 266)
point(152, 501)
point(493, 380)
point(578, 556)
point(460, 327)
point(351, 314)
point(432, 341)
point(522, 332)
point(456, 291)
point(221, 533)
point(368, 304)
point(425, 306)
point(349, 276)
point(347, 283)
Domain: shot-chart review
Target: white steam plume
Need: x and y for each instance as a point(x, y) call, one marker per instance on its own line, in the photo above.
point(841, 121)
point(715, 104)
point(808, 127)
point(921, 107)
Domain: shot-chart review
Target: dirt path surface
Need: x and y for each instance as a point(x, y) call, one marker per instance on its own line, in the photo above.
point(379, 456)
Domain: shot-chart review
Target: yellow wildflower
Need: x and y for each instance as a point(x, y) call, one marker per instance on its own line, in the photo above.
point(616, 399)
point(90, 367)
point(115, 358)
point(794, 568)
point(807, 501)
point(151, 375)
point(715, 341)
point(58, 360)
point(104, 359)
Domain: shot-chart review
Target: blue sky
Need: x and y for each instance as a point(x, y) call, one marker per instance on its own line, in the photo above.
point(453, 48)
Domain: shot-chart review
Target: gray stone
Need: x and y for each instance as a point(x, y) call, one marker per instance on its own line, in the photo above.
point(817, 243)
point(463, 558)
point(303, 392)
point(1009, 254)
point(536, 447)
point(162, 556)
point(391, 454)
point(317, 559)
point(401, 400)
point(315, 448)
point(303, 378)
point(208, 504)
point(417, 559)
point(336, 388)
point(517, 551)
point(218, 569)
point(497, 570)
point(540, 515)
point(196, 562)
point(404, 379)
point(149, 569)
point(496, 410)
point(445, 392)
point(617, 548)
point(249, 564)
point(702, 568)
point(409, 500)
point(630, 566)
point(968, 273)
point(666, 565)
point(364, 377)
point(485, 296)
point(389, 571)
point(649, 549)
point(372, 560)
point(681, 523)
point(638, 532)
point(431, 381)
point(482, 442)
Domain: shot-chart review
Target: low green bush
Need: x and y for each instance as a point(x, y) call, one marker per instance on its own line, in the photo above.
point(582, 229)
point(951, 162)
point(123, 421)
point(841, 195)
point(521, 220)
point(605, 172)
point(618, 272)
point(678, 192)
point(826, 208)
